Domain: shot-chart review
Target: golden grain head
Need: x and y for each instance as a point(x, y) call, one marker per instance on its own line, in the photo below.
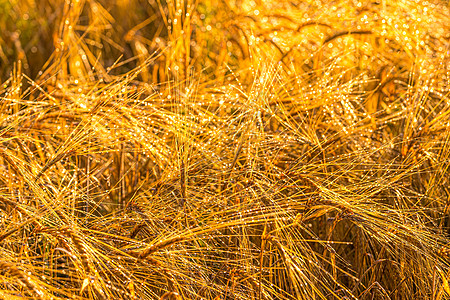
point(225, 149)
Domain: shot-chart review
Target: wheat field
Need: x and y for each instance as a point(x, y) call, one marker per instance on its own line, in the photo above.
point(225, 149)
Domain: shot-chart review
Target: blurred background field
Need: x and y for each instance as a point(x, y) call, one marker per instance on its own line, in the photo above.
point(246, 149)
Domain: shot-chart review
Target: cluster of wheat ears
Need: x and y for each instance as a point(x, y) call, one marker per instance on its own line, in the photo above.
point(232, 149)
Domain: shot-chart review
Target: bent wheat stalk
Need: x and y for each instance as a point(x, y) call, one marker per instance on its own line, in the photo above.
point(156, 247)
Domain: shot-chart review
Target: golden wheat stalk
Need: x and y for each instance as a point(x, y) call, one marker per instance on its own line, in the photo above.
point(22, 277)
